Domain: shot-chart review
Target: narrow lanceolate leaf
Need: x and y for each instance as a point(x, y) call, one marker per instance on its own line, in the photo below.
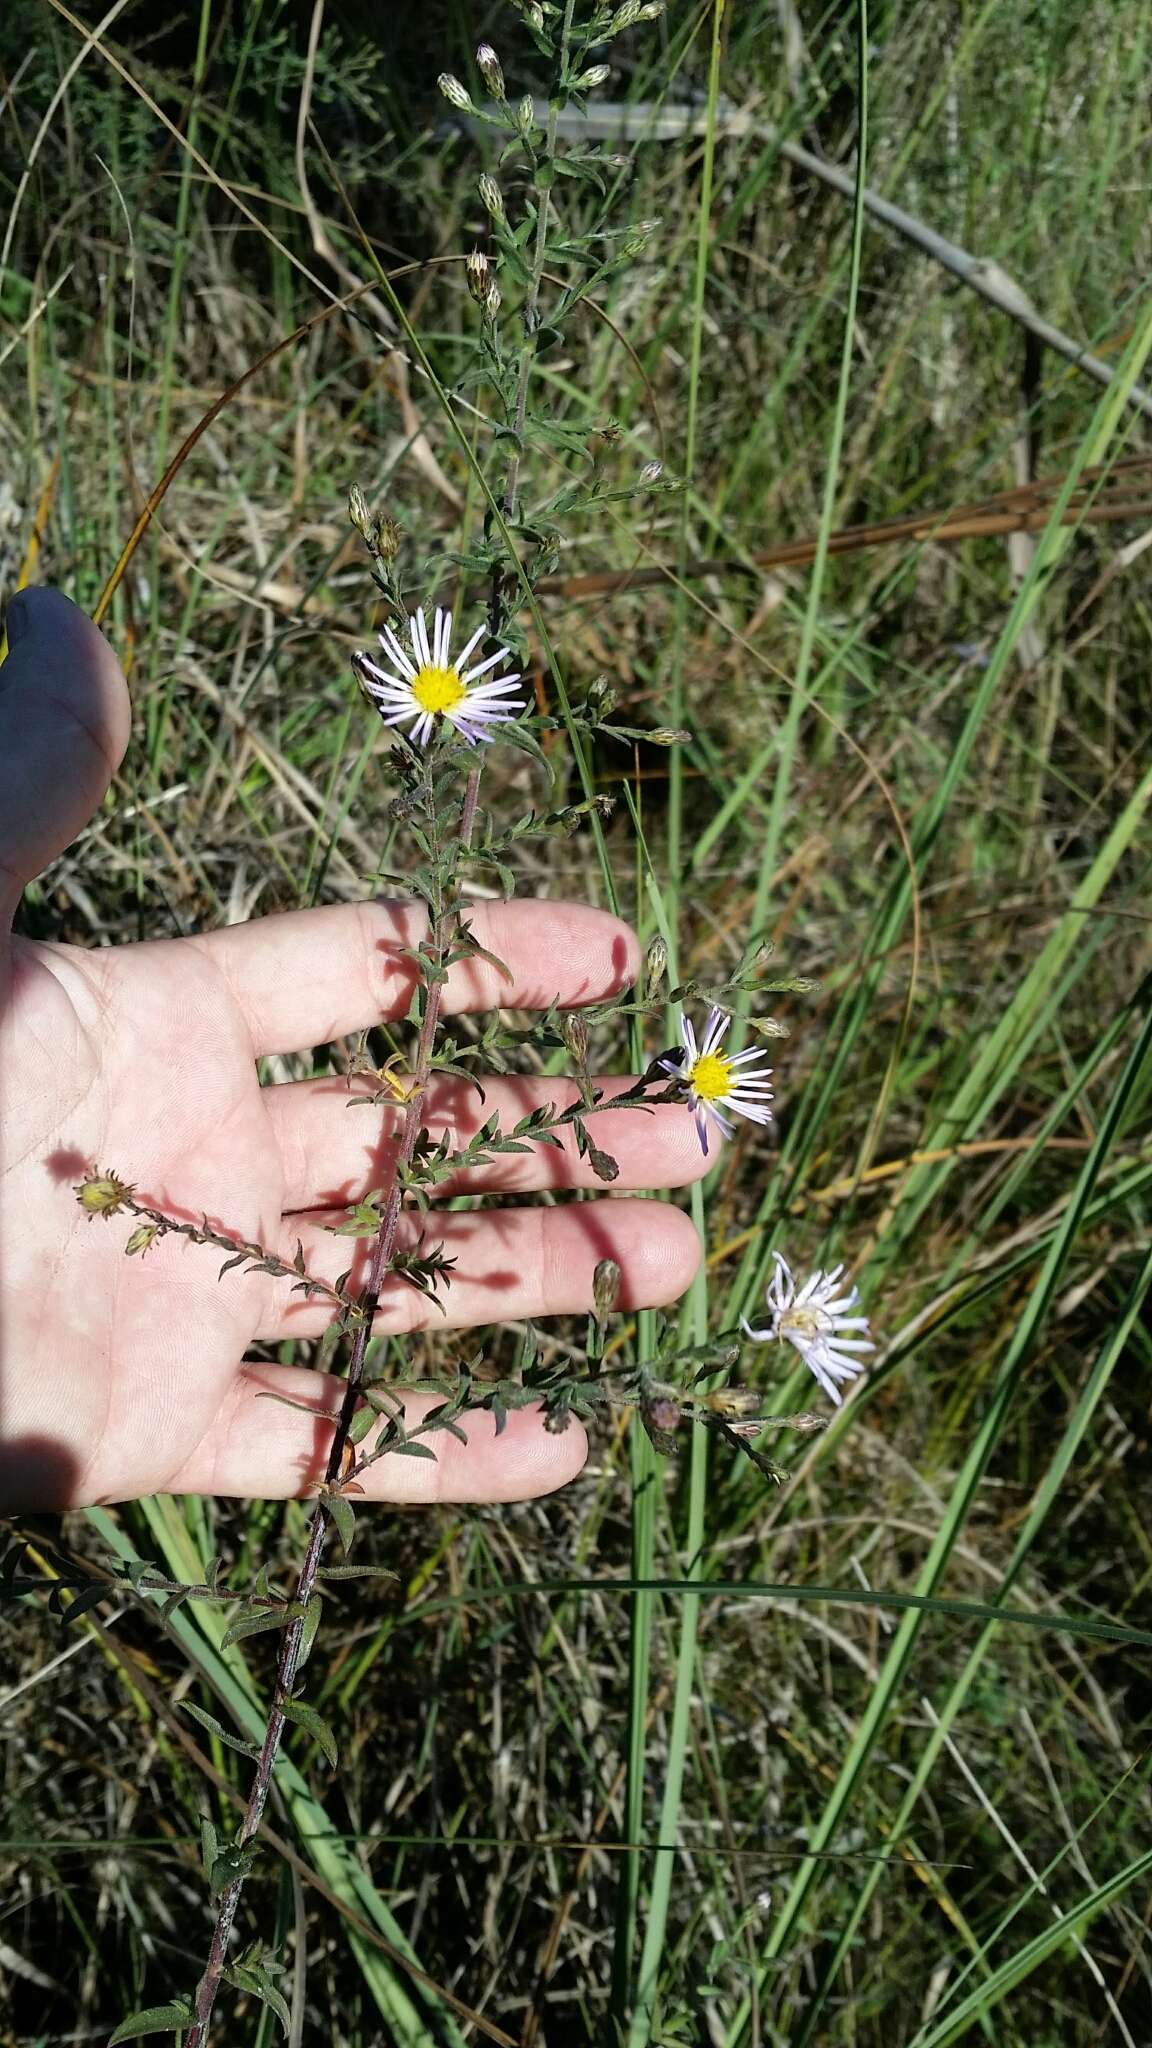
point(154, 2019)
point(255, 1980)
point(314, 1725)
point(216, 1728)
point(342, 1515)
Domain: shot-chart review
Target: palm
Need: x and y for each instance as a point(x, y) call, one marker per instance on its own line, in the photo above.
point(124, 1375)
point(139, 1060)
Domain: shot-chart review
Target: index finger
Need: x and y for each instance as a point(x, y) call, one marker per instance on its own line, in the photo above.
point(307, 976)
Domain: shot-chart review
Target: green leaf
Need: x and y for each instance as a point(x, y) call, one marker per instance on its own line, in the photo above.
point(340, 1510)
point(356, 1571)
point(314, 1725)
point(255, 1979)
point(361, 1423)
point(154, 2019)
point(412, 1450)
point(312, 1614)
point(230, 1867)
point(214, 1727)
point(255, 1623)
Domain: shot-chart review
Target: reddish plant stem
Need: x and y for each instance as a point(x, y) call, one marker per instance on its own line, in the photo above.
point(382, 1252)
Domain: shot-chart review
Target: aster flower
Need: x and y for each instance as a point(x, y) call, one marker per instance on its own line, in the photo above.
point(424, 685)
point(817, 1320)
point(719, 1081)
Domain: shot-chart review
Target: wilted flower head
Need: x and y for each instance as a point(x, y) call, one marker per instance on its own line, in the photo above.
point(430, 685)
point(814, 1319)
point(717, 1081)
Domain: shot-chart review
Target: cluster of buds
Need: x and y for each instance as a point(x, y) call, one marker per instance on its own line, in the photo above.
point(632, 12)
point(378, 530)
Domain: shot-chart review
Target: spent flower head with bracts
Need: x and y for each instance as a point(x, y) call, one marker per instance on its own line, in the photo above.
point(431, 684)
point(816, 1319)
point(718, 1081)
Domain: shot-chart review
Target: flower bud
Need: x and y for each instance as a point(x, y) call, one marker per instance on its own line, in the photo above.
point(526, 111)
point(605, 1289)
point(638, 237)
point(733, 1401)
point(358, 511)
point(574, 1032)
point(590, 79)
point(667, 736)
point(491, 197)
point(143, 1239)
point(488, 65)
point(650, 474)
point(651, 11)
point(102, 1194)
point(601, 698)
point(534, 14)
point(493, 301)
point(655, 966)
point(478, 271)
point(624, 17)
point(457, 95)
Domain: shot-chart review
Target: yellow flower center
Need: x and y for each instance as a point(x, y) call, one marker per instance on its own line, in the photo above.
point(710, 1077)
point(438, 689)
point(807, 1322)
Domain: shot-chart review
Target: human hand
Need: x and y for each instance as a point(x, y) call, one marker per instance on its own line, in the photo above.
point(123, 1376)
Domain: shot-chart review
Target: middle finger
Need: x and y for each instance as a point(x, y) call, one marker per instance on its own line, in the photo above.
point(333, 1153)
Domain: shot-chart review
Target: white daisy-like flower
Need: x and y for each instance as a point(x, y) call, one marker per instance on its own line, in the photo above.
point(425, 684)
point(719, 1081)
point(817, 1320)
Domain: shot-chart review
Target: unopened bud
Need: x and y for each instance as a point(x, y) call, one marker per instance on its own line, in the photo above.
point(574, 1032)
point(605, 1288)
point(378, 530)
point(601, 698)
point(526, 111)
point(493, 301)
point(387, 537)
point(651, 11)
point(624, 17)
point(358, 511)
point(488, 65)
point(639, 236)
point(655, 966)
point(668, 736)
point(478, 271)
point(733, 1401)
point(102, 1194)
point(491, 197)
point(650, 474)
point(457, 95)
point(590, 79)
point(143, 1239)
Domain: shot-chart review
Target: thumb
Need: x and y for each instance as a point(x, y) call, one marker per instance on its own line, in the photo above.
point(64, 724)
